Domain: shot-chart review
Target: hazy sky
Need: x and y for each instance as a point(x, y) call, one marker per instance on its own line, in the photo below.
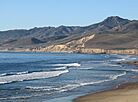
point(30, 13)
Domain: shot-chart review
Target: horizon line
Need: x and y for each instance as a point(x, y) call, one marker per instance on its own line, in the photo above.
point(56, 26)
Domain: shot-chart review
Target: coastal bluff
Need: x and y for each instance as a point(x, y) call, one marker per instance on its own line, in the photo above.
point(79, 46)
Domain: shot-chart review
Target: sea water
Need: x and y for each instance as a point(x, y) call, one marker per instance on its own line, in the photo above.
point(60, 77)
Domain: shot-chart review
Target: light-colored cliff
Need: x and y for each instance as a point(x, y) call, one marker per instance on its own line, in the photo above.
point(72, 46)
point(78, 45)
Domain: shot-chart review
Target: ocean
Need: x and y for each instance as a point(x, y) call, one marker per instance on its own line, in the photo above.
point(60, 77)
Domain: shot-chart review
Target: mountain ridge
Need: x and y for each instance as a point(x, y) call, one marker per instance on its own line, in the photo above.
point(113, 32)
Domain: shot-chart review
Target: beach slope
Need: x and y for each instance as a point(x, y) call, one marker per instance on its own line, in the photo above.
point(124, 93)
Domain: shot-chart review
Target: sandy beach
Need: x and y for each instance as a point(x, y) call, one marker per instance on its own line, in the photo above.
point(124, 93)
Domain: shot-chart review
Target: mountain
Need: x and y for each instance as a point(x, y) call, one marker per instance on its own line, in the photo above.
point(44, 34)
point(112, 33)
point(114, 21)
point(109, 25)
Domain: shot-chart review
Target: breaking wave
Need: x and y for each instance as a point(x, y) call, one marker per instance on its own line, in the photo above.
point(114, 77)
point(132, 70)
point(3, 74)
point(30, 76)
point(68, 65)
point(60, 68)
point(19, 73)
point(69, 87)
point(13, 73)
point(117, 60)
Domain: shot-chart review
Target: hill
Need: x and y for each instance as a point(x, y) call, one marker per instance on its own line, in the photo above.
point(112, 33)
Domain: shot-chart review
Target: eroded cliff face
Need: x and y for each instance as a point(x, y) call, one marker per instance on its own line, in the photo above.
point(78, 45)
point(72, 46)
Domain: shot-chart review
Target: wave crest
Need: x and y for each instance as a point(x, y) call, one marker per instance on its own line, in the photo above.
point(74, 85)
point(30, 76)
point(68, 65)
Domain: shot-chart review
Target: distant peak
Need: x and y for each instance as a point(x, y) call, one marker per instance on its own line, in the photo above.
point(114, 18)
point(113, 21)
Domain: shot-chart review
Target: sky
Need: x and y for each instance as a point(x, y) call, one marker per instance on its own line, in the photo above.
point(26, 14)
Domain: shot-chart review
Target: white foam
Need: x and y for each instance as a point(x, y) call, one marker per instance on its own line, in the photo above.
point(19, 73)
point(13, 73)
point(114, 77)
point(67, 87)
point(96, 82)
point(3, 74)
point(16, 97)
point(68, 65)
point(72, 86)
point(132, 70)
point(75, 85)
point(59, 68)
point(39, 87)
point(133, 58)
point(117, 60)
point(30, 76)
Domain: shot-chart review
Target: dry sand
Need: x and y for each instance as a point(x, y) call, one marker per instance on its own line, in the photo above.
point(124, 93)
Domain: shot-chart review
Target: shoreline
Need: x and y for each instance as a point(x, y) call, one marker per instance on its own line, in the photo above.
point(127, 92)
point(123, 93)
point(3, 51)
point(81, 50)
point(120, 87)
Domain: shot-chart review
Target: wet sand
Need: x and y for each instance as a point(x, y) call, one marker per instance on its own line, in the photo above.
point(124, 93)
